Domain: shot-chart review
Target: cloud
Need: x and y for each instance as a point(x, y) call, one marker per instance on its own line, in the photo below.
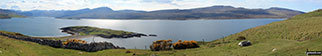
point(3, 6)
point(47, 4)
point(23, 1)
point(161, 1)
point(14, 7)
point(150, 5)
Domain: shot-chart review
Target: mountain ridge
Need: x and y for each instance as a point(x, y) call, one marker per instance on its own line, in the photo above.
point(212, 12)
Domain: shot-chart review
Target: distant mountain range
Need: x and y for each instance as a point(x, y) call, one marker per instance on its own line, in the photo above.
point(213, 12)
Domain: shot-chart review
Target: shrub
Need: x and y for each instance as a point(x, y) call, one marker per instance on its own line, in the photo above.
point(167, 45)
point(161, 45)
point(185, 44)
point(75, 41)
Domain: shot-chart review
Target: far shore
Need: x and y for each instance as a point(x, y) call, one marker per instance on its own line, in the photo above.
point(173, 19)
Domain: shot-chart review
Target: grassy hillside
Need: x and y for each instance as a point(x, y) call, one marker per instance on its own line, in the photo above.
point(289, 38)
point(4, 14)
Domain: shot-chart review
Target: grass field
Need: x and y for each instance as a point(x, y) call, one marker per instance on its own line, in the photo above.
point(289, 38)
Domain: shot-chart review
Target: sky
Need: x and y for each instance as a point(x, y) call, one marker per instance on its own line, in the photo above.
point(151, 5)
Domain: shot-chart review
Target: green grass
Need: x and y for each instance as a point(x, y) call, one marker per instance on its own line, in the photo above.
point(12, 47)
point(290, 38)
point(9, 16)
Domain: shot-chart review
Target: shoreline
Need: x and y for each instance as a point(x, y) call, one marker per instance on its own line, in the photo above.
point(88, 47)
point(170, 19)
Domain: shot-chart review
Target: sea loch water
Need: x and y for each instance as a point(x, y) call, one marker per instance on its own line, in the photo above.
point(165, 29)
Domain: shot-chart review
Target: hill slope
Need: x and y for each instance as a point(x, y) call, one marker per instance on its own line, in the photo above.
point(290, 37)
point(213, 12)
point(8, 14)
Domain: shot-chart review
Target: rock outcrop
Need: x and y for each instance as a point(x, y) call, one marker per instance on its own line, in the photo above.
point(244, 43)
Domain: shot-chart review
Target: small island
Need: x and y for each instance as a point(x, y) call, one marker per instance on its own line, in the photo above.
point(105, 33)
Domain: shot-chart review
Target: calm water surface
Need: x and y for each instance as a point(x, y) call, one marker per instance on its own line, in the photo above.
point(165, 29)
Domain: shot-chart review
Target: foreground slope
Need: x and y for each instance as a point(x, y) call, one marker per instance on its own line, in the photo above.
point(290, 37)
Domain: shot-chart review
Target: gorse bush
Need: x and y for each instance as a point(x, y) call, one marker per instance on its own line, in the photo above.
point(185, 44)
point(161, 45)
point(167, 45)
point(75, 41)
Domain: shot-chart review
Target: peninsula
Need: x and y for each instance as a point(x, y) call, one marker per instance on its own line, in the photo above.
point(105, 33)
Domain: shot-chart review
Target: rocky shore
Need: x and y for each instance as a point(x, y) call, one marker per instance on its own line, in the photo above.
point(89, 47)
point(122, 36)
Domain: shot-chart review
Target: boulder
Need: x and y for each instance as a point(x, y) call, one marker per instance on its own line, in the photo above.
point(244, 43)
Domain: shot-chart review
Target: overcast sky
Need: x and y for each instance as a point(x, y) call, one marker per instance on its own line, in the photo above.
point(150, 5)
